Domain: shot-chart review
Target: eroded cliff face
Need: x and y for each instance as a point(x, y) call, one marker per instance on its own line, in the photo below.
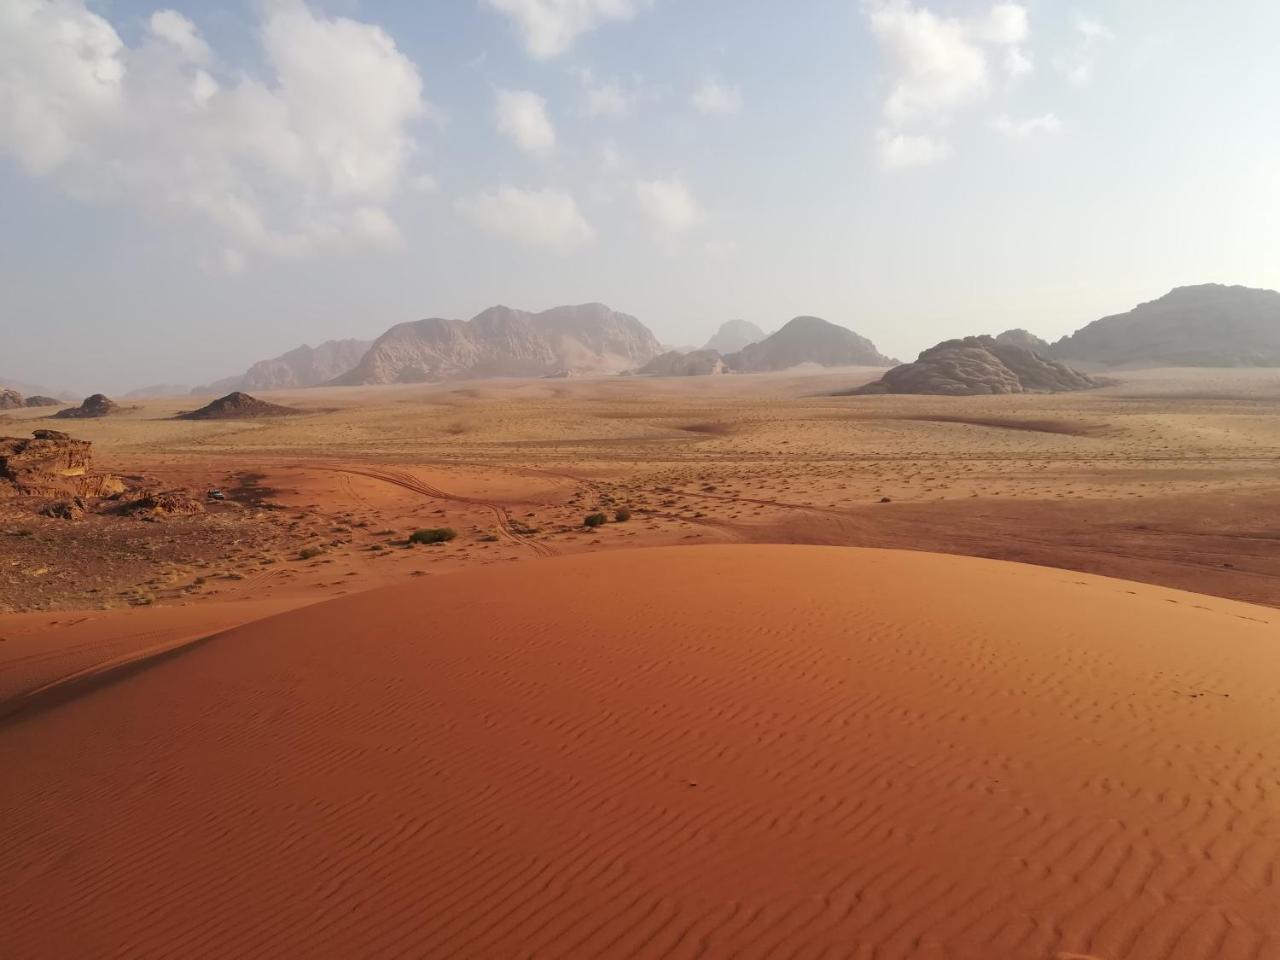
point(52, 464)
point(504, 342)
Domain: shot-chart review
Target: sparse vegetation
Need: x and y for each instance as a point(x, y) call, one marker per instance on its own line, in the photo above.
point(310, 553)
point(433, 535)
point(594, 520)
point(622, 514)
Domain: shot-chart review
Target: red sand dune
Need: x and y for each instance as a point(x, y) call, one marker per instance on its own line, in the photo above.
point(708, 751)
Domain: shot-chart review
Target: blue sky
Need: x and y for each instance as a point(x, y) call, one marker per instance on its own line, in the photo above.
point(185, 189)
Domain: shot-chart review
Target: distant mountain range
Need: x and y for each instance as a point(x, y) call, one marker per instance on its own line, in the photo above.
point(1206, 325)
point(733, 335)
point(1210, 325)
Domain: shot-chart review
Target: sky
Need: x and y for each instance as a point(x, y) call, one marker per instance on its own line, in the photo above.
point(187, 189)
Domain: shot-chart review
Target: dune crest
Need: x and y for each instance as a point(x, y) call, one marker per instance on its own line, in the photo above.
point(747, 751)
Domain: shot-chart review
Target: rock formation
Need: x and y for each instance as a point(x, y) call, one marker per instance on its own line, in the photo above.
point(237, 406)
point(51, 464)
point(808, 340)
point(733, 335)
point(1202, 326)
point(677, 364)
point(97, 405)
point(503, 342)
point(979, 365)
point(304, 366)
point(1025, 339)
point(39, 401)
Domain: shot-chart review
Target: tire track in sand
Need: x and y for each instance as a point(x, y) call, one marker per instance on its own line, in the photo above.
point(407, 481)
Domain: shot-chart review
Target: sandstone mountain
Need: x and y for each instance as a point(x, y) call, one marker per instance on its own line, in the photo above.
point(237, 406)
point(1025, 339)
point(302, 367)
point(10, 399)
point(39, 401)
point(1210, 325)
point(979, 365)
point(503, 342)
point(676, 364)
point(94, 406)
point(733, 335)
point(808, 340)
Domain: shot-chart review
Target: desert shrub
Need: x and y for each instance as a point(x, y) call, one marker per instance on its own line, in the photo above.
point(622, 514)
point(310, 553)
point(594, 520)
point(433, 535)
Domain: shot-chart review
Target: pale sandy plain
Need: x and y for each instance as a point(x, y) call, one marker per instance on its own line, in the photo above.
point(724, 746)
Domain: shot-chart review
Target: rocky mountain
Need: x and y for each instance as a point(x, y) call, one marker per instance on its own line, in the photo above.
point(159, 390)
point(97, 405)
point(51, 464)
point(693, 364)
point(10, 399)
point(27, 389)
point(1210, 325)
point(238, 406)
point(1025, 339)
point(39, 401)
point(808, 340)
point(733, 335)
point(303, 367)
point(975, 366)
point(503, 342)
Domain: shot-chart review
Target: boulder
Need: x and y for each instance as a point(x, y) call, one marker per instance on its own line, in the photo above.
point(97, 405)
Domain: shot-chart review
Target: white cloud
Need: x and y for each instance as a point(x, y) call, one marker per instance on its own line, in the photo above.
point(550, 27)
point(604, 98)
point(1077, 64)
point(717, 98)
point(902, 151)
point(536, 218)
point(940, 66)
point(300, 161)
point(522, 116)
point(668, 204)
point(1025, 129)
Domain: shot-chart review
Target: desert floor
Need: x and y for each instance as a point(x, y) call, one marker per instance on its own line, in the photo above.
point(914, 756)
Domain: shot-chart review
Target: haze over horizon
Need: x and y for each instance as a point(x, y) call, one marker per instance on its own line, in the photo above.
point(189, 189)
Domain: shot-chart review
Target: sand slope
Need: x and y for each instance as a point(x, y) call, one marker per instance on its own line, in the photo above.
point(704, 751)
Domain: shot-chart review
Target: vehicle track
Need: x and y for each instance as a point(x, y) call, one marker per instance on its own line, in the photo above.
point(407, 481)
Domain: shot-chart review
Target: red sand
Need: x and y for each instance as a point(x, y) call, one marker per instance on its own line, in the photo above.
point(711, 751)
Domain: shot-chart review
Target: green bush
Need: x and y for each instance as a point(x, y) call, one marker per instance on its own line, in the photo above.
point(595, 520)
point(622, 515)
point(433, 535)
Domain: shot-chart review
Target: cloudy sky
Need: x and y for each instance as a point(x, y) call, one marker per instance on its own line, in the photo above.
point(186, 189)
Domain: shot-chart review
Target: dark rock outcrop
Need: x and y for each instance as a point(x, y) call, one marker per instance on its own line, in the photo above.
point(157, 505)
point(97, 405)
point(238, 406)
point(676, 364)
point(733, 335)
point(974, 366)
point(808, 340)
point(39, 401)
point(503, 342)
point(1210, 325)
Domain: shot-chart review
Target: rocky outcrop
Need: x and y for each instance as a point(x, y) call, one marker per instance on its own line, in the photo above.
point(97, 405)
point(157, 505)
point(808, 340)
point(238, 406)
point(733, 335)
point(974, 366)
point(1210, 325)
point(52, 464)
point(39, 401)
point(504, 342)
point(10, 400)
point(676, 364)
point(1025, 339)
point(305, 366)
